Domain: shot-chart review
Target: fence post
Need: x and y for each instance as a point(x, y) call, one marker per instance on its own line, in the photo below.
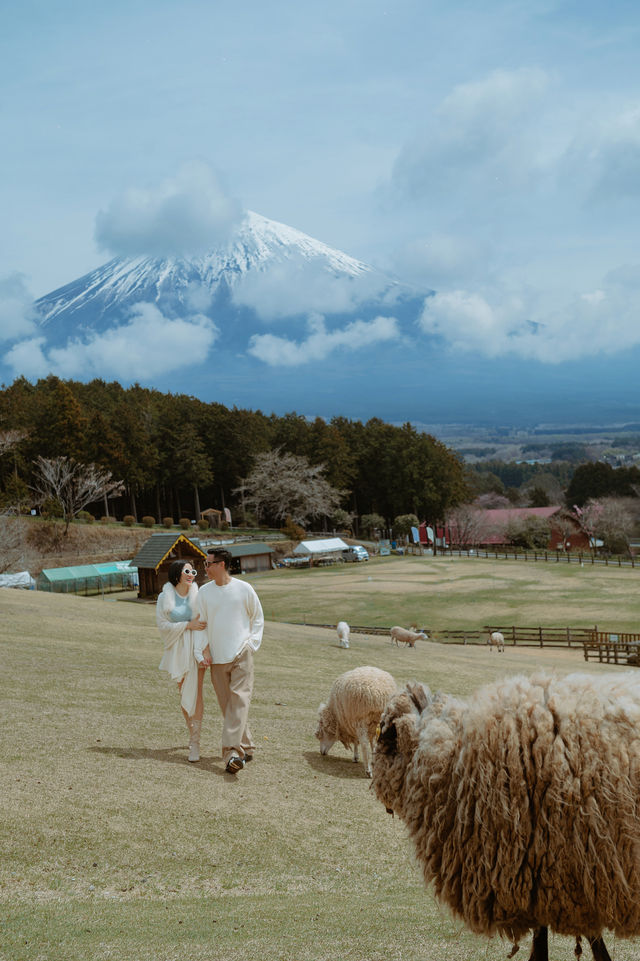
point(540, 634)
point(569, 636)
point(513, 635)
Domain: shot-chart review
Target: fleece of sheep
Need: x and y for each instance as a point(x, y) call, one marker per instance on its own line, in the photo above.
point(522, 800)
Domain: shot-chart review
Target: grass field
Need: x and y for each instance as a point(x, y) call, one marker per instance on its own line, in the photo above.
point(455, 593)
point(114, 847)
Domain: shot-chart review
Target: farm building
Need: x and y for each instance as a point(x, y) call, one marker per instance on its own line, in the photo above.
point(156, 555)
point(250, 557)
point(491, 528)
point(89, 578)
point(214, 516)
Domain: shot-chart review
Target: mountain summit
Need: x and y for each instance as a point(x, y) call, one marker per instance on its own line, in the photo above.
point(259, 246)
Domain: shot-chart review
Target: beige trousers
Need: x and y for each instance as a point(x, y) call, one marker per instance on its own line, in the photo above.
point(233, 684)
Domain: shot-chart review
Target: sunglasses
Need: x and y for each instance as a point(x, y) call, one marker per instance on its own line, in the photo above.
point(211, 563)
point(189, 573)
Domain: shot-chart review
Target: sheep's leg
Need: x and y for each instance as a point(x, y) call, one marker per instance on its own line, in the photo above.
point(600, 952)
point(365, 746)
point(540, 945)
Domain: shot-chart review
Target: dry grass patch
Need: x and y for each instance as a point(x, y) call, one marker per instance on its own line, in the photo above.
point(116, 848)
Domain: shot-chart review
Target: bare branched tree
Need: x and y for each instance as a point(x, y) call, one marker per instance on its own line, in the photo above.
point(467, 525)
point(283, 484)
point(611, 521)
point(72, 484)
point(9, 439)
point(11, 542)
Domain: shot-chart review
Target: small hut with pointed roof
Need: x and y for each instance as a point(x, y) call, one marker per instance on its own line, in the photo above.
point(155, 557)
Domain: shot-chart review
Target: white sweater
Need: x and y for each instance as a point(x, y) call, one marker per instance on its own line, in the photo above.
point(234, 619)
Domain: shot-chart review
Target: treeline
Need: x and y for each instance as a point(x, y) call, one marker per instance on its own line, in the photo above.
point(177, 455)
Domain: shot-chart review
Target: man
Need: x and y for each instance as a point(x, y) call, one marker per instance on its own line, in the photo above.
point(235, 623)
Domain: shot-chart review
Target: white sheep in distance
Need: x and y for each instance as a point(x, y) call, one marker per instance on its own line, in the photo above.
point(406, 636)
point(353, 711)
point(343, 633)
point(496, 639)
point(523, 802)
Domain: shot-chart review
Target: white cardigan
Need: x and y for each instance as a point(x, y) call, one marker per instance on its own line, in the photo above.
point(178, 658)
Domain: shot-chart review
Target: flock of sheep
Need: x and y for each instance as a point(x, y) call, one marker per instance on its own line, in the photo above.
point(522, 800)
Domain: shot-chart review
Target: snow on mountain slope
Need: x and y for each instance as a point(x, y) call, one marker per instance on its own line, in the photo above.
point(258, 245)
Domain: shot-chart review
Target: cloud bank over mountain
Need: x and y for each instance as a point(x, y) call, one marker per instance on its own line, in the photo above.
point(148, 345)
point(183, 215)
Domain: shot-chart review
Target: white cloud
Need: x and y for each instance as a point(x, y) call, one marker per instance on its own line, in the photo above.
point(441, 258)
point(186, 214)
point(148, 345)
point(280, 351)
point(484, 132)
point(603, 157)
point(500, 322)
point(17, 312)
point(299, 286)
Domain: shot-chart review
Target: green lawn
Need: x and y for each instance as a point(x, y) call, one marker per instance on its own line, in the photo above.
point(439, 592)
point(114, 847)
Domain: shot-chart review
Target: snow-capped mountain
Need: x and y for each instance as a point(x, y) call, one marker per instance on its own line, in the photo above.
point(258, 246)
point(276, 320)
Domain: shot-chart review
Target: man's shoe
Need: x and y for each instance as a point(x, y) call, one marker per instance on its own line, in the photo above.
point(235, 764)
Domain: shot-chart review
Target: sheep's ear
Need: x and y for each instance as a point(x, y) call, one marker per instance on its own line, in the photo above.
point(419, 694)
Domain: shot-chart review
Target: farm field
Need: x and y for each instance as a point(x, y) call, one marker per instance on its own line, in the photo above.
point(114, 847)
point(458, 592)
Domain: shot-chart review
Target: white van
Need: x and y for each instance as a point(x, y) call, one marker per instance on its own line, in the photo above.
point(355, 553)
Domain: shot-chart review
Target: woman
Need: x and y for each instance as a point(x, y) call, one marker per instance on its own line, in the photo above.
point(174, 617)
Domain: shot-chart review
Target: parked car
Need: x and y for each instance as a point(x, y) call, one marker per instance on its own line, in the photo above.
point(356, 553)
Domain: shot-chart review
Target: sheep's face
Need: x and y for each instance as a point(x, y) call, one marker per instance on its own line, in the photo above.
point(326, 729)
point(397, 743)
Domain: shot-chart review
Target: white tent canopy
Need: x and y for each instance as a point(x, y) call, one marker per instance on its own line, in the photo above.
point(327, 545)
point(21, 579)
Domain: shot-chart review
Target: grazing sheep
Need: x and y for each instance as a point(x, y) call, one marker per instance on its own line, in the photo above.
point(523, 802)
point(496, 639)
point(352, 713)
point(407, 637)
point(343, 633)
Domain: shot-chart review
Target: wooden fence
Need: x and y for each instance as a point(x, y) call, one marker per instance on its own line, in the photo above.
point(546, 556)
point(513, 635)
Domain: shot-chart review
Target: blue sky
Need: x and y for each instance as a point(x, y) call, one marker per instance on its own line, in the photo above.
point(490, 151)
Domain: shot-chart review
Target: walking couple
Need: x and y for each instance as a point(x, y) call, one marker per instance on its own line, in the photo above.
point(217, 627)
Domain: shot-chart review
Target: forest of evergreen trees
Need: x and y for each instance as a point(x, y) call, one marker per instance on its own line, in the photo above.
point(177, 455)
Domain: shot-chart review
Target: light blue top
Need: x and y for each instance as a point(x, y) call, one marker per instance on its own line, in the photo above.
point(181, 610)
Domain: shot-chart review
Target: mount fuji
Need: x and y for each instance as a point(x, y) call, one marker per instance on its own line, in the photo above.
point(273, 319)
point(234, 273)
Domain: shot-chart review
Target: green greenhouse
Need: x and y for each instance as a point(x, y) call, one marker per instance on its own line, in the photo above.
point(89, 578)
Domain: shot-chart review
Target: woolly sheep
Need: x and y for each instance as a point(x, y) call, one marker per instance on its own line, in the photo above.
point(523, 802)
point(343, 633)
point(352, 713)
point(407, 637)
point(496, 639)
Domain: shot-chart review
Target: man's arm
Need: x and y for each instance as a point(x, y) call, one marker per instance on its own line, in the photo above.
point(256, 620)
